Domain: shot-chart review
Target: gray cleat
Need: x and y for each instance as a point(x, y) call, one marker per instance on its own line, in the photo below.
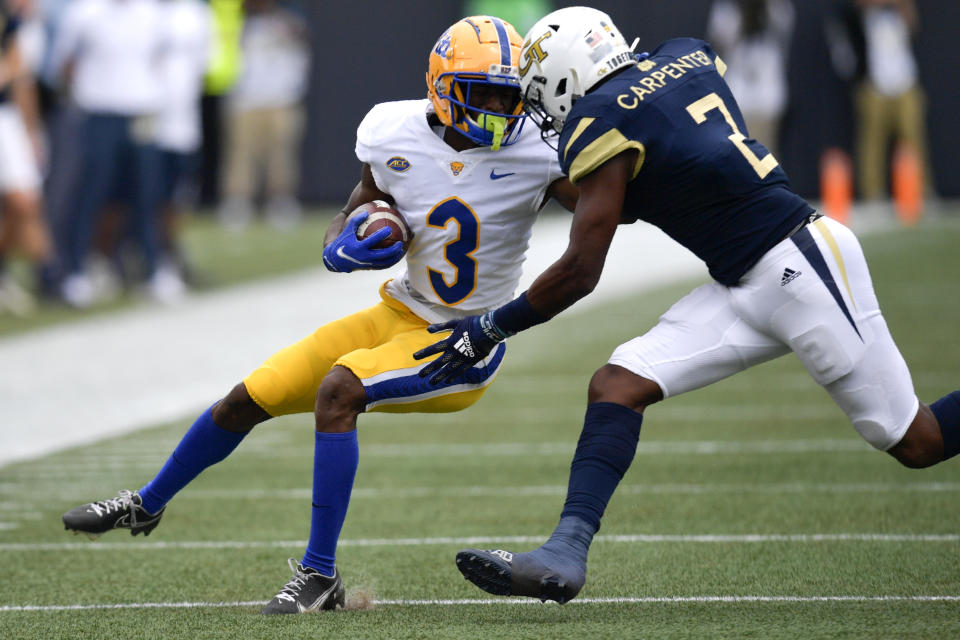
point(308, 591)
point(503, 573)
point(122, 512)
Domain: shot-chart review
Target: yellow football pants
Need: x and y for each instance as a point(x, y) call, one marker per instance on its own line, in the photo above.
point(377, 345)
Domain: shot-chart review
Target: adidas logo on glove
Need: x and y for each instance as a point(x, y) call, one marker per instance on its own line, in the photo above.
point(463, 345)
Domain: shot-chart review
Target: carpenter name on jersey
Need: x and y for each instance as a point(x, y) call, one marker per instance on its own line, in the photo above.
point(698, 176)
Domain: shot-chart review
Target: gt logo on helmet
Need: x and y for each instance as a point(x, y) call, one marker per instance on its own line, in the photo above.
point(533, 51)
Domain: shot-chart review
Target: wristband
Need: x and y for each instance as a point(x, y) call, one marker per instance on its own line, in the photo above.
point(490, 328)
point(516, 316)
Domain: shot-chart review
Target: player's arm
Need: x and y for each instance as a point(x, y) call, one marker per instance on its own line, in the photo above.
point(365, 191)
point(342, 250)
point(564, 282)
point(564, 192)
point(595, 220)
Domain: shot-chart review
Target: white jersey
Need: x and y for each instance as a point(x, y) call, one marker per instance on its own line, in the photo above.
point(471, 211)
point(185, 60)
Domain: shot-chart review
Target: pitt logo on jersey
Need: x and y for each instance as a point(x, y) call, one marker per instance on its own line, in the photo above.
point(456, 168)
point(398, 164)
point(533, 51)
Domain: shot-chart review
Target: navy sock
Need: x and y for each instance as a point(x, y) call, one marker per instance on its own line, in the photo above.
point(335, 461)
point(604, 452)
point(566, 549)
point(947, 412)
point(203, 445)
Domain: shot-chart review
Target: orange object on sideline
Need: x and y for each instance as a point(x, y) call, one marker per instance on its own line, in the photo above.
point(907, 184)
point(836, 184)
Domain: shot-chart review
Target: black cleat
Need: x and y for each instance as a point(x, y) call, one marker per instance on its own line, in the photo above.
point(122, 512)
point(308, 591)
point(503, 573)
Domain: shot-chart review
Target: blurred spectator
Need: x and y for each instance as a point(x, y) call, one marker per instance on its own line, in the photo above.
point(221, 76)
point(753, 38)
point(871, 44)
point(108, 52)
point(265, 116)
point(31, 37)
point(22, 226)
point(182, 71)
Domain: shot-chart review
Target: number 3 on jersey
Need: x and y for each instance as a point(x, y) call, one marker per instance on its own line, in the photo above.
point(457, 252)
point(698, 111)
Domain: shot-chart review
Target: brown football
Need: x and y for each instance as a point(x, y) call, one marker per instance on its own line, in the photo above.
point(383, 215)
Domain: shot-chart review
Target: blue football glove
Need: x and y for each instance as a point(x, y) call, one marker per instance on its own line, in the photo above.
point(470, 341)
point(347, 252)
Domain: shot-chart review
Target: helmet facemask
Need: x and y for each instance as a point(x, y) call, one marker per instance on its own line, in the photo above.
point(533, 103)
point(486, 128)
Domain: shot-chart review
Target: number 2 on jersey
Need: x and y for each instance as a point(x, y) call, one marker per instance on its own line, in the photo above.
point(457, 252)
point(698, 111)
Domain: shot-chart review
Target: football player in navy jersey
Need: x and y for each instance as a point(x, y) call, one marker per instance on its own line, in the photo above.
point(658, 137)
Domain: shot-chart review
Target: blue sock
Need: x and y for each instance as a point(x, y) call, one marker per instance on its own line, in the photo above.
point(947, 412)
point(606, 448)
point(335, 461)
point(203, 445)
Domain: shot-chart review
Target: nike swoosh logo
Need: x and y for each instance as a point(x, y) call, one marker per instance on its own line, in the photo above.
point(496, 176)
point(343, 254)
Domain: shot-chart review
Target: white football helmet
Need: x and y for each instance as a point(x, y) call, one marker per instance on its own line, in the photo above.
point(565, 54)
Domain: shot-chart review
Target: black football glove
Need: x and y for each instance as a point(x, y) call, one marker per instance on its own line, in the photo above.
point(470, 341)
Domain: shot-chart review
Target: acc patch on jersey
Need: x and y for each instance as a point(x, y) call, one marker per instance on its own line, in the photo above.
point(398, 164)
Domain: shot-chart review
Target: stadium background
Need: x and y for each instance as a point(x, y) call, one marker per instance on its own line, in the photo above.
point(369, 52)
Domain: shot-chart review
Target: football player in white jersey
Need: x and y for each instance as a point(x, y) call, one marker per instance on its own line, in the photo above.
point(469, 180)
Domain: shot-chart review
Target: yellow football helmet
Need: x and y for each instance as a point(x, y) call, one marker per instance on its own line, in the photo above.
point(479, 50)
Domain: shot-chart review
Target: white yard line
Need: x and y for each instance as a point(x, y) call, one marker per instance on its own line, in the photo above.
point(561, 490)
point(89, 380)
point(499, 492)
point(505, 601)
point(94, 466)
point(484, 540)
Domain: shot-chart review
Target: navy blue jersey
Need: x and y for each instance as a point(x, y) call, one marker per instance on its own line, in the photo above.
point(8, 26)
point(698, 177)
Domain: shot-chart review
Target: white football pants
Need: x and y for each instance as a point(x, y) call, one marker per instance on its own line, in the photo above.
point(810, 294)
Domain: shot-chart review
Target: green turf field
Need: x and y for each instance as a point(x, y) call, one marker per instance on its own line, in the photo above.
point(752, 509)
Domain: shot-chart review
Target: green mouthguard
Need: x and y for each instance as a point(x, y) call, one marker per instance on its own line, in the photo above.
point(495, 125)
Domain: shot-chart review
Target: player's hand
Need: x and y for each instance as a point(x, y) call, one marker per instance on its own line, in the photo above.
point(470, 341)
point(347, 252)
